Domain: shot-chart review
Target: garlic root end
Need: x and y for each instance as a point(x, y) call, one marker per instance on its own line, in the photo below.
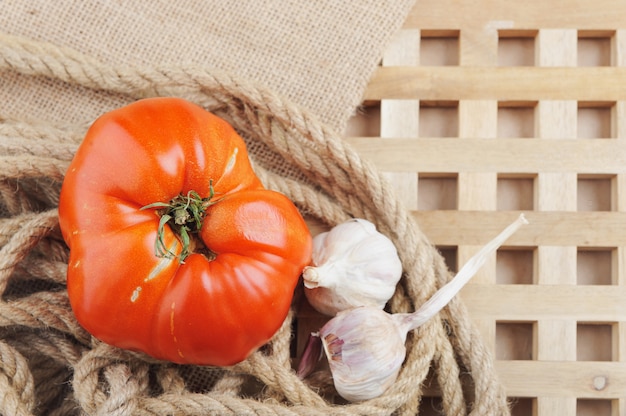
point(311, 277)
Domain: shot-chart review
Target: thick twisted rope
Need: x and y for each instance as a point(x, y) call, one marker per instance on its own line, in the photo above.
point(16, 383)
point(323, 176)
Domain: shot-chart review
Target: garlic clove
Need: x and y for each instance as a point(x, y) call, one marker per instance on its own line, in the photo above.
point(365, 350)
point(328, 301)
point(353, 265)
point(341, 239)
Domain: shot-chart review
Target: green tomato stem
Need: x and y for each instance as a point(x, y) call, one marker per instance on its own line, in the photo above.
point(184, 214)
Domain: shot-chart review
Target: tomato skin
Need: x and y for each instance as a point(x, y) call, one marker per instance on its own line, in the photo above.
point(200, 311)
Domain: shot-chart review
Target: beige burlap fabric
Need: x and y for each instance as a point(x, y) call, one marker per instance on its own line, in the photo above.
point(320, 54)
point(50, 365)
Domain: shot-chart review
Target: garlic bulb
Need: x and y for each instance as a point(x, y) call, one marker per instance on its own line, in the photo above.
point(353, 265)
point(365, 350)
point(365, 346)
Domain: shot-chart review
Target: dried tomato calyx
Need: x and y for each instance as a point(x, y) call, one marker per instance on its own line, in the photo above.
point(184, 214)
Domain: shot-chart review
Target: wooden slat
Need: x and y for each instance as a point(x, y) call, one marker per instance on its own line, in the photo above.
point(439, 155)
point(498, 83)
point(618, 58)
point(618, 350)
point(583, 379)
point(554, 228)
point(532, 14)
point(530, 303)
point(478, 191)
point(400, 118)
point(563, 379)
point(555, 339)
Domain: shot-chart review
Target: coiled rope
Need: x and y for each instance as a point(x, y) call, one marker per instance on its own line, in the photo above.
point(50, 365)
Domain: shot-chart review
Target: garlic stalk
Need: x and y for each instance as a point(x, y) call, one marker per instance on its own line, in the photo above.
point(365, 346)
point(353, 265)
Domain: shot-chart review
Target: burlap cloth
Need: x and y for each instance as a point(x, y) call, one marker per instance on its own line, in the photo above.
point(287, 75)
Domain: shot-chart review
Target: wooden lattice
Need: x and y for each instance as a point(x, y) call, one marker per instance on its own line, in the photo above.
point(485, 108)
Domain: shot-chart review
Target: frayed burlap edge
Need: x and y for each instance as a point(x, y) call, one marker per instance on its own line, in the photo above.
point(48, 364)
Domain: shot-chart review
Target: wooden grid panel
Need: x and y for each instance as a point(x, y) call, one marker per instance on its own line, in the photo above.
point(482, 109)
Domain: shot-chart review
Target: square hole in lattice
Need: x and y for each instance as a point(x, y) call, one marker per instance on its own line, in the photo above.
point(516, 120)
point(515, 193)
point(514, 340)
point(594, 407)
point(436, 193)
point(514, 267)
point(449, 255)
point(366, 121)
point(594, 120)
point(439, 48)
point(516, 48)
point(594, 193)
point(594, 342)
point(521, 406)
point(594, 48)
point(439, 119)
point(594, 267)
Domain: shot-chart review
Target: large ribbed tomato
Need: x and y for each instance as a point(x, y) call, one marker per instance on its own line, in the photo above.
point(176, 249)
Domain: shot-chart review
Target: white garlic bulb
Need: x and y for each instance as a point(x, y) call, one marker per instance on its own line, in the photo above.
point(353, 265)
point(365, 346)
point(365, 350)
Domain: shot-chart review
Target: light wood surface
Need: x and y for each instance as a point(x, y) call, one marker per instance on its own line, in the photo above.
point(485, 108)
point(504, 83)
point(512, 156)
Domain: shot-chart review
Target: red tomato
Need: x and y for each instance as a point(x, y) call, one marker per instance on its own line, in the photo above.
point(131, 281)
